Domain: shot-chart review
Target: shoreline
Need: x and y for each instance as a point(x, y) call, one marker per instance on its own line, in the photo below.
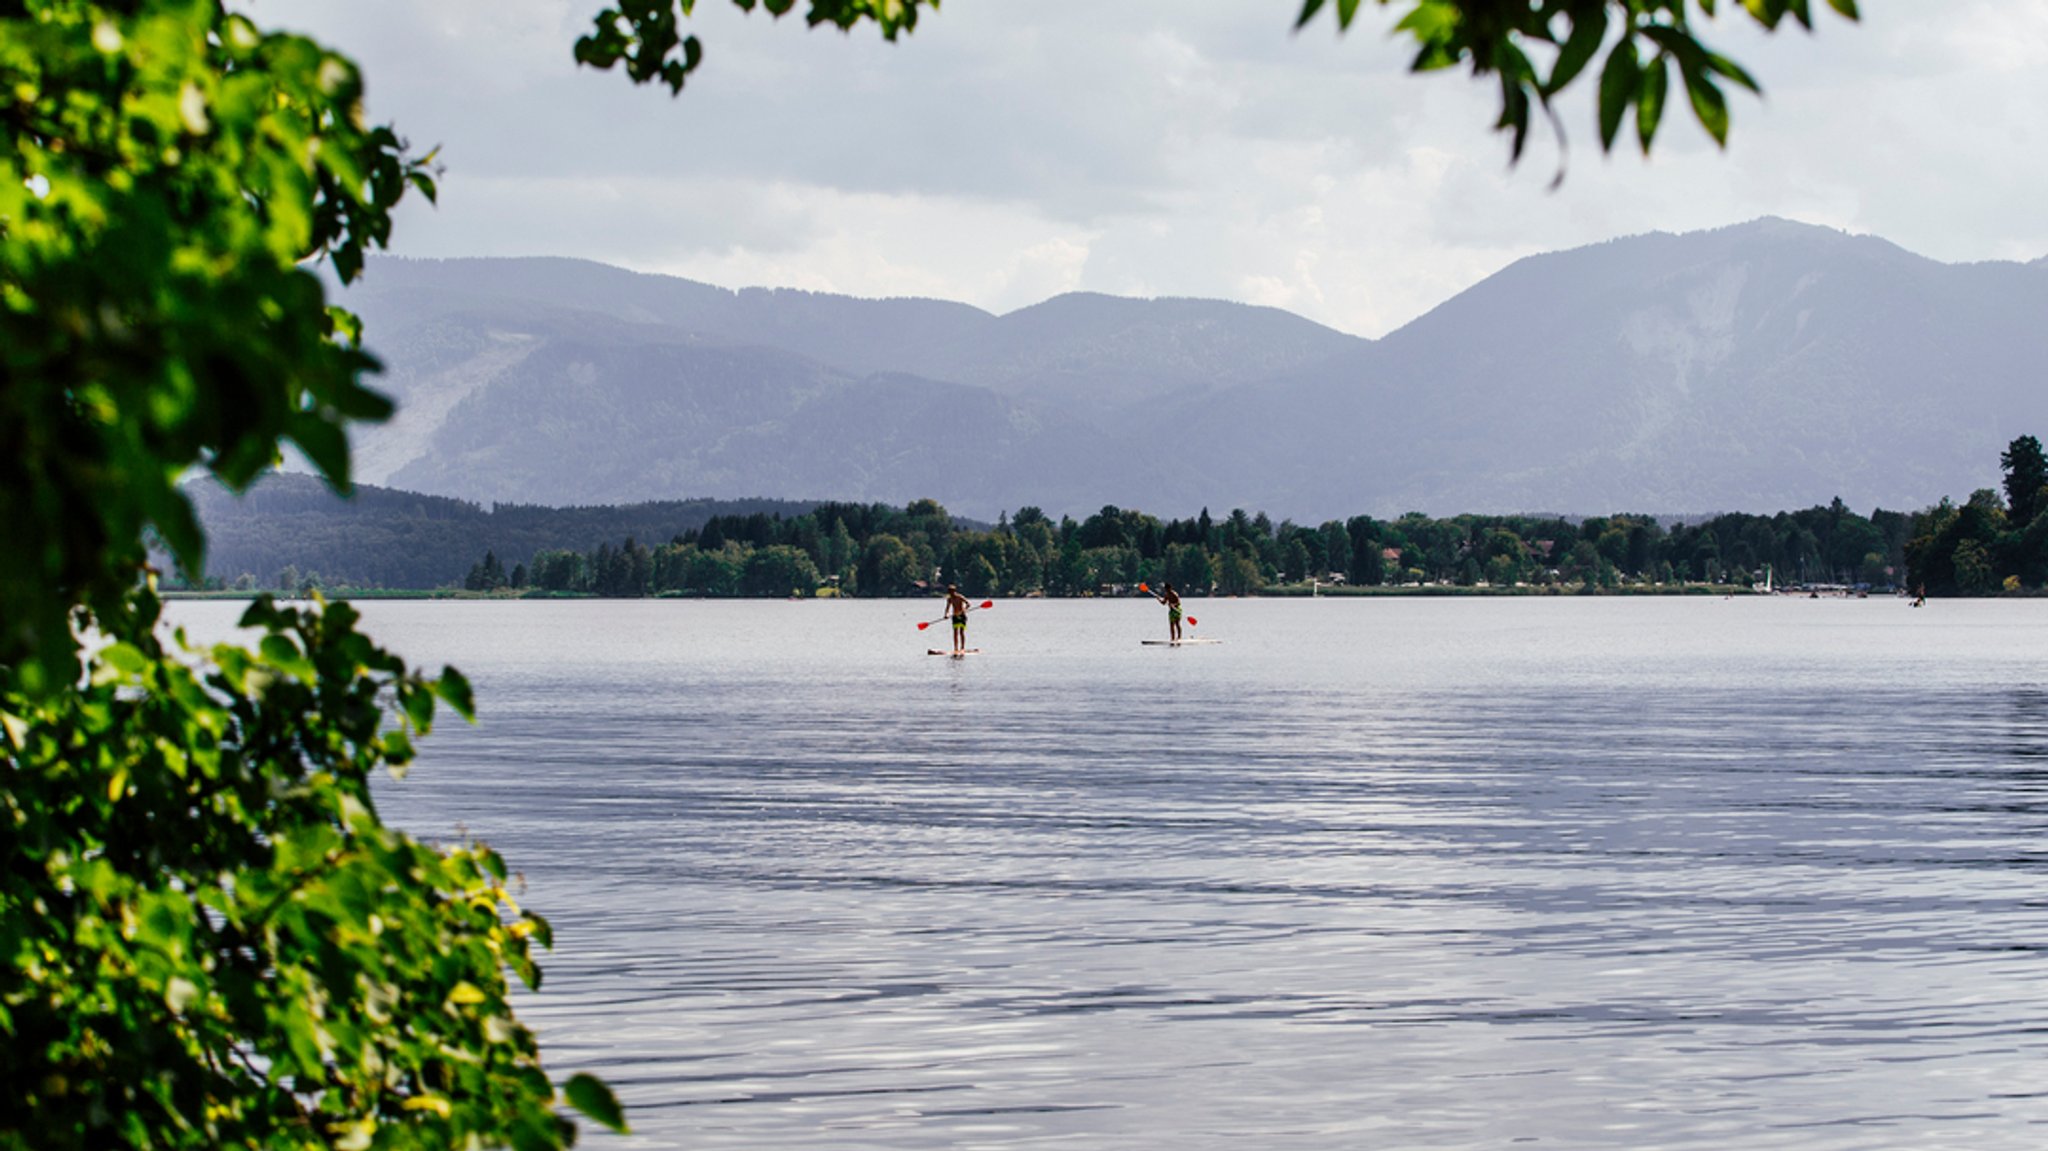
point(1430, 591)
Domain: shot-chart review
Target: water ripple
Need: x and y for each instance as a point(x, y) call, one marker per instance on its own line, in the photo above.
point(1420, 874)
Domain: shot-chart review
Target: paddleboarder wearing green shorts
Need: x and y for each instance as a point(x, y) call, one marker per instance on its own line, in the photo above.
point(956, 606)
point(1171, 599)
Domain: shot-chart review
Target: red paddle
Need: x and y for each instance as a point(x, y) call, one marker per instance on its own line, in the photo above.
point(1147, 589)
point(987, 603)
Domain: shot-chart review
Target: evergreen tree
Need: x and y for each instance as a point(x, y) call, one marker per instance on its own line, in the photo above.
point(2026, 475)
point(1366, 568)
point(1337, 547)
point(1294, 561)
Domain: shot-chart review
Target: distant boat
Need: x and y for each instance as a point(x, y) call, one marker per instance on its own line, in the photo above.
point(1767, 579)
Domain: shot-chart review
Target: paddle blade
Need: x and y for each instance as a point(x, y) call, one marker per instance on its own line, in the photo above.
point(1144, 588)
point(988, 603)
point(924, 625)
point(1192, 621)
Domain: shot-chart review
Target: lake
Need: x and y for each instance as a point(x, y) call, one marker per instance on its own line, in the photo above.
point(1405, 873)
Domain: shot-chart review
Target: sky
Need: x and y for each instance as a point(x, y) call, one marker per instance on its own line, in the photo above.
point(1011, 150)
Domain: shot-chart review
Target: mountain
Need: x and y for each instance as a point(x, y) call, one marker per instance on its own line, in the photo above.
point(1762, 366)
point(549, 380)
point(383, 538)
point(1100, 353)
point(1765, 366)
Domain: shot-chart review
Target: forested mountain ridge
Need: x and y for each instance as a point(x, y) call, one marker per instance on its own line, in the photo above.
point(1766, 365)
point(379, 537)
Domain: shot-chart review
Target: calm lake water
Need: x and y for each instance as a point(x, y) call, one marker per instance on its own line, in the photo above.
point(1391, 873)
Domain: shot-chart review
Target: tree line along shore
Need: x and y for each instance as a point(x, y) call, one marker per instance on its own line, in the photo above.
point(1993, 542)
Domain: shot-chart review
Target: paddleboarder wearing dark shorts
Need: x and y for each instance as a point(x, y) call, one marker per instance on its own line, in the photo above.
point(1171, 599)
point(956, 606)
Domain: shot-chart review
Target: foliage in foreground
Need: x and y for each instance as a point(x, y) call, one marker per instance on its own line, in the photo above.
point(215, 941)
point(1532, 49)
point(207, 936)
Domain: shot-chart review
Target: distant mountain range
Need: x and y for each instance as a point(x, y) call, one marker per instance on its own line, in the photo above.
point(399, 539)
point(1764, 366)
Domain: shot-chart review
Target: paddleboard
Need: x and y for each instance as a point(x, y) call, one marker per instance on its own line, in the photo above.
point(1176, 642)
point(955, 654)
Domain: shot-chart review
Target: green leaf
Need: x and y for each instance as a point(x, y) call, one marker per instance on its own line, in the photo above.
point(1618, 82)
point(1735, 72)
point(325, 446)
point(1650, 101)
point(285, 655)
point(1709, 105)
point(453, 687)
point(345, 326)
point(1434, 24)
point(125, 658)
point(417, 701)
point(398, 749)
point(588, 1094)
point(1588, 32)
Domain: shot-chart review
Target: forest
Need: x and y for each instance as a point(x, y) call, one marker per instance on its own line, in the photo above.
point(880, 550)
point(1993, 542)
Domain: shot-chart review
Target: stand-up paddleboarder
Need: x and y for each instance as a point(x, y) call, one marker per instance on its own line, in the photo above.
point(956, 607)
point(1171, 599)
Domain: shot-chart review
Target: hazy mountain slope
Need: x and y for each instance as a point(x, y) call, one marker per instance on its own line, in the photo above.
point(386, 538)
point(616, 420)
point(858, 335)
point(1763, 366)
point(1092, 353)
point(1105, 357)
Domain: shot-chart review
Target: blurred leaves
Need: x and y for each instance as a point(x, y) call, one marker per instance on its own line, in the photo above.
point(166, 171)
point(211, 938)
point(208, 938)
point(1535, 49)
point(646, 35)
point(589, 1095)
point(1644, 41)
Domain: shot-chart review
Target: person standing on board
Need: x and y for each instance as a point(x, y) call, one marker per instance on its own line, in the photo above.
point(1171, 599)
point(956, 606)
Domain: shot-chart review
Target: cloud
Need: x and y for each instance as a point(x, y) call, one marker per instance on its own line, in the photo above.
point(1161, 147)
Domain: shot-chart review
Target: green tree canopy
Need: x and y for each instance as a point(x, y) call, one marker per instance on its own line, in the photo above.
point(208, 937)
point(2026, 480)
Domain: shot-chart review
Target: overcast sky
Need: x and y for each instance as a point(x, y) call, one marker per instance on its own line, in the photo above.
point(1012, 150)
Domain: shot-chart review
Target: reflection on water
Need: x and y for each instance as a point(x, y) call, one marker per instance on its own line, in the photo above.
point(1408, 873)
